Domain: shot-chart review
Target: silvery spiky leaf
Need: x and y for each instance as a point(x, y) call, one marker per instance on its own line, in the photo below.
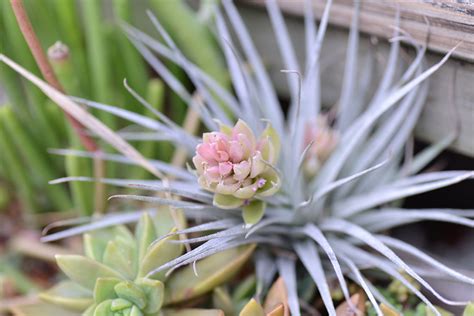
point(334, 204)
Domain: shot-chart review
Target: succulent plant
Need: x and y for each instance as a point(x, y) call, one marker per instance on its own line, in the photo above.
point(238, 168)
point(334, 222)
point(115, 276)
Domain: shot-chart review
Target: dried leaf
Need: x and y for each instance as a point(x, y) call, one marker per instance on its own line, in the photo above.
point(212, 271)
point(252, 308)
point(358, 300)
point(277, 295)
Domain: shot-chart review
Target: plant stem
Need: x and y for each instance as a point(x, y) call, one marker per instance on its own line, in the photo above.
point(45, 67)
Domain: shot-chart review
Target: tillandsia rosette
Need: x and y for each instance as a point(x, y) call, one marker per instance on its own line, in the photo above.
point(332, 223)
point(117, 276)
point(320, 139)
point(239, 168)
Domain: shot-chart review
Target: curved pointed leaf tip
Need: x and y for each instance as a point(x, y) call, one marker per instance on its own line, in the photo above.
point(238, 167)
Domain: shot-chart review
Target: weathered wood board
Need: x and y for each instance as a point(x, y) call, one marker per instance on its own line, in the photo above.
point(450, 102)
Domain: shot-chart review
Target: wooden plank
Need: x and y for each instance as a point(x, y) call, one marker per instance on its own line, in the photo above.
point(447, 22)
point(451, 96)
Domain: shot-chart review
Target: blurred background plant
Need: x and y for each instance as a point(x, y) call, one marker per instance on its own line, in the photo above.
point(91, 56)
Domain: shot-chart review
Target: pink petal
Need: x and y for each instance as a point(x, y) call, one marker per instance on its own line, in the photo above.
point(225, 168)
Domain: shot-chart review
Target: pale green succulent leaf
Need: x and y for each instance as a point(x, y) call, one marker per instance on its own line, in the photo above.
point(271, 151)
point(69, 295)
point(84, 271)
point(40, 308)
point(226, 201)
point(104, 309)
point(105, 289)
point(222, 300)
point(145, 234)
point(272, 184)
point(120, 257)
point(90, 311)
point(212, 271)
point(135, 311)
point(154, 292)
point(469, 310)
point(96, 241)
point(131, 292)
point(94, 246)
point(119, 304)
point(252, 308)
point(192, 312)
point(253, 212)
point(167, 219)
point(160, 253)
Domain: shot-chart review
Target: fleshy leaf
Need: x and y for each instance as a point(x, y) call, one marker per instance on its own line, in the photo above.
point(158, 254)
point(136, 311)
point(84, 271)
point(469, 310)
point(279, 310)
point(121, 258)
point(69, 295)
point(358, 300)
point(242, 128)
point(119, 304)
point(145, 234)
point(154, 292)
point(212, 271)
point(36, 309)
point(104, 309)
point(94, 244)
point(167, 218)
point(131, 292)
point(272, 184)
point(104, 289)
point(226, 201)
point(277, 296)
point(96, 241)
point(222, 300)
point(253, 212)
point(252, 308)
point(387, 311)
point(192, 312)
point(271, 150)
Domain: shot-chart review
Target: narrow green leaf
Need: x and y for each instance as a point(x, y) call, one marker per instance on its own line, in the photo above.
point(145, 234)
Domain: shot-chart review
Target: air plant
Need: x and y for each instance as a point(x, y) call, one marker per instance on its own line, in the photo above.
point(332, 221)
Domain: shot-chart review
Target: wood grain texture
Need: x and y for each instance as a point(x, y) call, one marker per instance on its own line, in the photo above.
point(450, 101)
point(448, 22)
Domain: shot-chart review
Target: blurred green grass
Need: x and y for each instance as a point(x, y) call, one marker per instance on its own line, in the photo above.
point(100, 57)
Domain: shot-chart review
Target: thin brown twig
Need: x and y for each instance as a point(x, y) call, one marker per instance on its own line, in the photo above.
point(45, 68)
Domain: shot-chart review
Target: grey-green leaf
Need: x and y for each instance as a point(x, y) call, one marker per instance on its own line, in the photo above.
point(69, 295)
point(84, 271)
point(212, 271)
point(158, 254)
